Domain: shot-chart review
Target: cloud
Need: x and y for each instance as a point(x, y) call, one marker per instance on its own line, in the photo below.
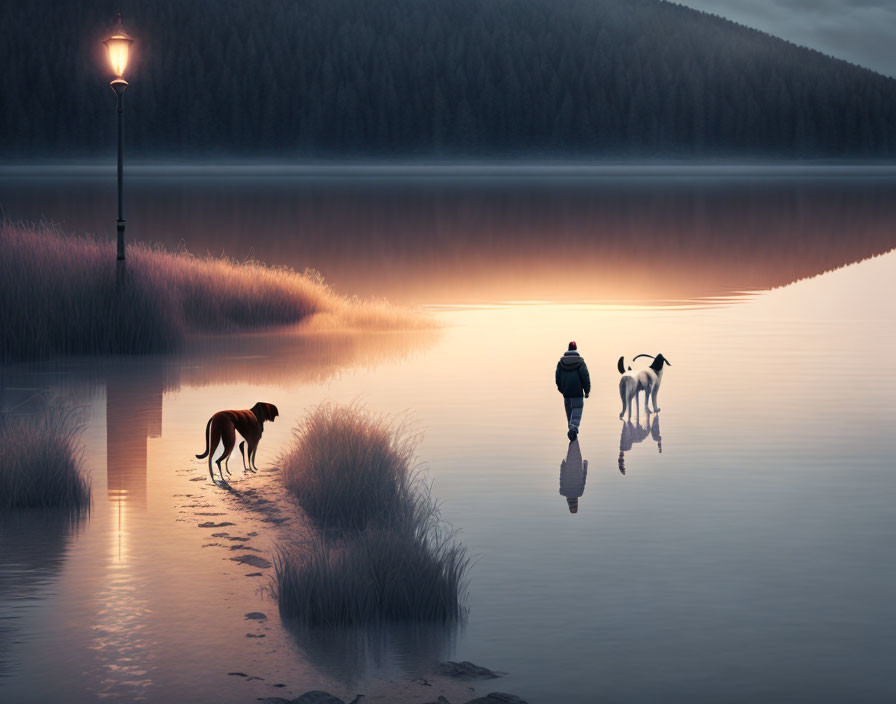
point(860, 31)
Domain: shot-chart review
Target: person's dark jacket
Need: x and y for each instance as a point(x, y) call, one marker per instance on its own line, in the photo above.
point(573, 380)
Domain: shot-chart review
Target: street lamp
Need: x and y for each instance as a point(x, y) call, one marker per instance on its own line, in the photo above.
point(119, 45)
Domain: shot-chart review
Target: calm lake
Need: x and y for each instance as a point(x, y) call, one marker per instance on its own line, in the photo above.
point(735, 547)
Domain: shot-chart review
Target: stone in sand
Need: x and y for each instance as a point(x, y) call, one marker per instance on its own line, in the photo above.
point(253, 560)
point(256, 615)
point(317, 698)
point(212, 524)
point(466, 671)
point(497, 698)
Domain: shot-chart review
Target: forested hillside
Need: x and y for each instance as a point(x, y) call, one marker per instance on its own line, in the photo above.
point(430, 78)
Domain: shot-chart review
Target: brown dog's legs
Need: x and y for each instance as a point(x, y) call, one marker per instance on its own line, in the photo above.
point(214, 437)
point(251, 448)
point(243, 455)
point(228, 437)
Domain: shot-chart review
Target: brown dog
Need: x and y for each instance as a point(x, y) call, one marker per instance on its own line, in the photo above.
point(223, 426)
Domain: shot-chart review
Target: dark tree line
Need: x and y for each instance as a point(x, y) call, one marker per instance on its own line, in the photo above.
point(531, 78)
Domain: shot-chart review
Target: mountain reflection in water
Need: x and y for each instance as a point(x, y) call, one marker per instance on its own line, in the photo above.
point(610, 236)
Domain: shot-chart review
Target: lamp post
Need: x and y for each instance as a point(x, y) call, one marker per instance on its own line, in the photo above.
point(119, 45)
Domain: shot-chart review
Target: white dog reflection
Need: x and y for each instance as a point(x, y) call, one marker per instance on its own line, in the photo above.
point(633, 433)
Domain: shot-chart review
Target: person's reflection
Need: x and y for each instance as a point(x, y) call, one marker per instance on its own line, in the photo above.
point(573, 471)
point(633, 433)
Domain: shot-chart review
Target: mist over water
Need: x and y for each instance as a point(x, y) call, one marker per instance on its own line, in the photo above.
point(468, 234)
point(742, 555)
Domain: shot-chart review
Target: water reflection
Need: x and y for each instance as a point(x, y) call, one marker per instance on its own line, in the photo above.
point(467, 240)
point(634, 433)
point(117, 590)
point(133, 414)
point(122, 616)
point(134, 391)
point(33, 547)
point(350, 655)
point(573, 473)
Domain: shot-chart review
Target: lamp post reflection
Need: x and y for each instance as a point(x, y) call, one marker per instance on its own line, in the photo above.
point(133, 414)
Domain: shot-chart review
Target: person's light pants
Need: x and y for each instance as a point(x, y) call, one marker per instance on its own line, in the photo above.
point(574, 408)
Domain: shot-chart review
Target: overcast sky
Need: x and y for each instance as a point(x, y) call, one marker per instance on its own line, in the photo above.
point(860, 31)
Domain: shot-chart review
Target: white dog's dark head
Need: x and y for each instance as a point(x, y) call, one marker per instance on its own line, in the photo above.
point(658, 362)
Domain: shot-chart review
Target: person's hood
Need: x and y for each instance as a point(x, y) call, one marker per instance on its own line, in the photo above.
point(571, 360)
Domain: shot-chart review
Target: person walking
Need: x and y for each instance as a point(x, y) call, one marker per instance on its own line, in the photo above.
point(574, 382)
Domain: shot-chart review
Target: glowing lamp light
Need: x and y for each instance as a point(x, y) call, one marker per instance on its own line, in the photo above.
point(118, 46)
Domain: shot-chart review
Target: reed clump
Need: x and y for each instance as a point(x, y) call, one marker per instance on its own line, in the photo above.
point(68, 295)
point(42, 464)
point(350, 468)
point(383, 553)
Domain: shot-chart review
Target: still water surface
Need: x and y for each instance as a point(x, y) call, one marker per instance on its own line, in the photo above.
point(744, 554)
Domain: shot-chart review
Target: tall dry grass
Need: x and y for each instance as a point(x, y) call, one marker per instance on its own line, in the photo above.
point(350, 468)
point(66, 295)
point(383, 552)
point(42, 465)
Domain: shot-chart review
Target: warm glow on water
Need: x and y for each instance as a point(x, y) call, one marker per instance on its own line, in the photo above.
point(755, 543)
point(751, 555)
point(434, 238)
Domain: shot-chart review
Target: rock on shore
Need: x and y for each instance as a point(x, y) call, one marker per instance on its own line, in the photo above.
point(317, 697)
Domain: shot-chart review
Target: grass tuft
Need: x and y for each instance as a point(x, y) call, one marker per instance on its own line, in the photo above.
point(42, 466)
point(383, 553)
point(67, 295)
point(349, 468)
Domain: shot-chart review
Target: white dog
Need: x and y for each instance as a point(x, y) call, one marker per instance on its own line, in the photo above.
point(646, 380)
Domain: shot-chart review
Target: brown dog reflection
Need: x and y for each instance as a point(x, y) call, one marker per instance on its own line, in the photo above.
point(223, 426)
point(633, 433)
